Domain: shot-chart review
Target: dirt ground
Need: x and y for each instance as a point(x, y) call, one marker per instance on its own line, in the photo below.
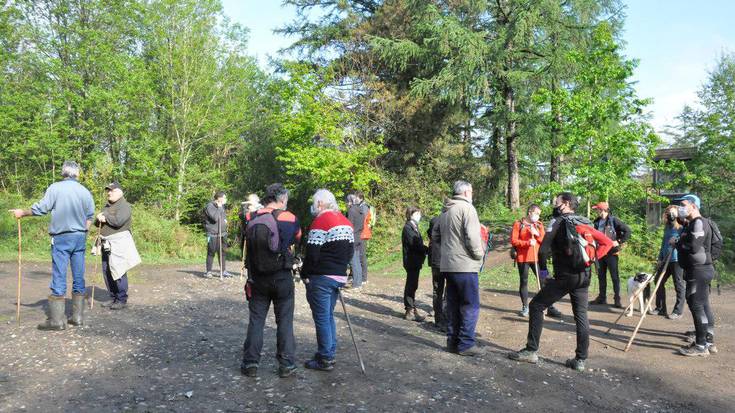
point(178, 347)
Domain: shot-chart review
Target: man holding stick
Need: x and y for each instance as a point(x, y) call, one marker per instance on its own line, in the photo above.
point(215, 224)
point(72, 209)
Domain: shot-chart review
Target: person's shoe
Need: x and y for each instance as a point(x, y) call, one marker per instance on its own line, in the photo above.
point(654, 311)
point(674, 316)
point(575, 364)
point(553, 312)
point(524, 311)
point(694, 350)
point(249, 371)
point(119, 306)
point(408, 315)
point(207, 275)
point(55, 319)
point(286, 371)
point(317, 364)
point(77, 310)
point(712, 348)
point(471, 352)
point(617, 303)
point(227, 274)
point(524, 355)
point(109, 303)
point(417, 316)
point(600, 300)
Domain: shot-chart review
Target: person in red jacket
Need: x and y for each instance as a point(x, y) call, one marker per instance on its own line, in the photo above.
point(525, 239)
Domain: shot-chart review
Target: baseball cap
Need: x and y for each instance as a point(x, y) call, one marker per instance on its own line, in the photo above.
point(113, 185)
point(601, 205)
point(691, 198)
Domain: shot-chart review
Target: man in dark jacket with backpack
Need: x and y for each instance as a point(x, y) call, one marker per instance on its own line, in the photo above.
point(619, 233)
point(570, 241)
point(698, 248)
point(271, 233)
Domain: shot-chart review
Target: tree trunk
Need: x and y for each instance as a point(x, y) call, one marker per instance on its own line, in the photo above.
point(495, 160)
point(180, 175)
point(514, 201)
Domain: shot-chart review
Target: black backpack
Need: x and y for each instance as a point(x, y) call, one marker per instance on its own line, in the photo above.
point(715, 245)
point(264, 255)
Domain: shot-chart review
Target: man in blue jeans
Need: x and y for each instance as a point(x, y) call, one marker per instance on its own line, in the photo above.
point(457, 231)
point(72, 209)
point(329, 249)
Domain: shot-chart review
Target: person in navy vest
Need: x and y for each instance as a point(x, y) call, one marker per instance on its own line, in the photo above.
point(72, 209)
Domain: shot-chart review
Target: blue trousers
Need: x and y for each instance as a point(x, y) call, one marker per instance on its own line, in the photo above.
point(322, 293)
point(118, 288)
point(65, 249)
point(463, 309)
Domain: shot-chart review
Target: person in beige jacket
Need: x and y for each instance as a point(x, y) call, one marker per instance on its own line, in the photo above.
point(458, 233)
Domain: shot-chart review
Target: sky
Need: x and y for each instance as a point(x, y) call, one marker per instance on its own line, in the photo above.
point(676, 42)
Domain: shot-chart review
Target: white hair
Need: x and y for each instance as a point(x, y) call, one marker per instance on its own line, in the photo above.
point(70, 169)
point(461, 187)
point(327, 199)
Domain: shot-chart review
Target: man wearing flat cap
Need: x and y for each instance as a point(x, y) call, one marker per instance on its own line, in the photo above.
point(118, 249)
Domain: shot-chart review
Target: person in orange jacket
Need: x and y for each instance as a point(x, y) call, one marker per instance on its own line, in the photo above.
point(525, 239)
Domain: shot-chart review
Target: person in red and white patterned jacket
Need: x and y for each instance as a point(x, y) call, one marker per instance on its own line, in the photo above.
point(329, 249)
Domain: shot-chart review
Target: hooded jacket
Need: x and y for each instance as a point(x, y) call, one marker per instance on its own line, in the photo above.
point(458, 232)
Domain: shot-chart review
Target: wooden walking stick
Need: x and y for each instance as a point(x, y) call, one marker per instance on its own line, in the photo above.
point(659, 274)
point(20, 262)
point(650, 301)
point(242, 269)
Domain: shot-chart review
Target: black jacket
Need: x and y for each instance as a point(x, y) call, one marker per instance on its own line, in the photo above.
point(555, 244)
point(118, 217)
point(694, 245)
point(414, 251)
point(215, 221)
point(615, 229)
point(435, 252)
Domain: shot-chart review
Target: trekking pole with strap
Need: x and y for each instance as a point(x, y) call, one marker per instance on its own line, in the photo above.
point(538, 280)
point(488, 247)
point(352, 334)
point(242, 269)
point(219, 242)
point(20, 262)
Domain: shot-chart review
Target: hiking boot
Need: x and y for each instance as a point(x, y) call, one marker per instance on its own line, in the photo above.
point(575, 364)
point(654, 311)
point(318, 364)
point(674, 316)
point(408, 315)
point(694, 350)
point(617, 303)
point(553, 312)
point(524, 311)
point(600, 300)
point(524, 355)
point(77, 310)
point(55, 318)
point(109, 303)
point(249, 371)
point(286, 371)
point(208, 275)
point(712, 348)
point(417, 316)
point(227, 274)
point(119, 305)
point(471, 352)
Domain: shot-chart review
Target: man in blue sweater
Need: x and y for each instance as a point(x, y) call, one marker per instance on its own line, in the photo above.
point(72, 210)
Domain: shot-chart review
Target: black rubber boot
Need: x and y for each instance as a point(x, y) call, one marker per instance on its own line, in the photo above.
point(77, 310)
point(55, 318)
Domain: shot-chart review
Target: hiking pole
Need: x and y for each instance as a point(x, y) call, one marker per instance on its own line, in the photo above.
point(20, 261)
point(242, 269)
point(94, 271)
point(488, 247)
point(349, 325)
point(219, 241)
point(538, 281)
point(650, 301)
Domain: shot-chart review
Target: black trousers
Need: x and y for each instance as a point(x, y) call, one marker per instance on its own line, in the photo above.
point(698, 283)
point(673, 269)
point(610, 262)
point(213, 243)
point(280, 290)
point(438, 282)
point(554, 289)
point(523, 273)
point(409, 291)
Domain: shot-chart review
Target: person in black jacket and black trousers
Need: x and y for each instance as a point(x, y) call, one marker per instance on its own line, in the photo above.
point(414, 253)
point(619, 233)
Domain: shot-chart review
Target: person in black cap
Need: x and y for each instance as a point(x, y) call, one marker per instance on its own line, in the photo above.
point(114, 223)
